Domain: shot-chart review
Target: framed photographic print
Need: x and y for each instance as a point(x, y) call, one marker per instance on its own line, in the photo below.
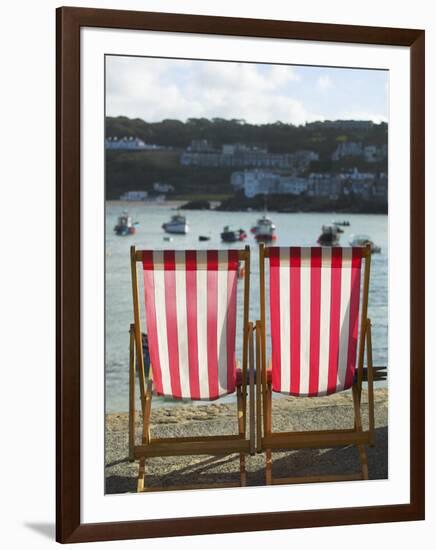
point(240, 269)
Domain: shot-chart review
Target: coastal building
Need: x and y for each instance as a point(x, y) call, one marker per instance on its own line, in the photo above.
point(363, 188)
point(237, 180)
point(241, 149)
point(130, 143)
point(356, 175)
point(347, 149)
point(134, 196)
point(370, 153)
point(240, 155)
point(163, 187)
point(292, 185)
point(325, 185)
point(200, 146)
point(200, 158)
point(318, 184)
point(261, 182)
point(124, 143)
point(374, 153)
point(380, 189)
point(303, 158)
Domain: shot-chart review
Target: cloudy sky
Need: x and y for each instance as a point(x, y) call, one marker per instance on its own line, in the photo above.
point(155, 89)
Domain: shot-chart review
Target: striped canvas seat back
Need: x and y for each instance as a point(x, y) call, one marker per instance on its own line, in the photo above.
point(190, 306)
point(314, 312)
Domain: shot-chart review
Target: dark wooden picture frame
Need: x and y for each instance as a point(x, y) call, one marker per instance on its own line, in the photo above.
point(68, 524)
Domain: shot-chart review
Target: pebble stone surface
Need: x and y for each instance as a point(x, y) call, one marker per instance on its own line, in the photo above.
point(289, 413)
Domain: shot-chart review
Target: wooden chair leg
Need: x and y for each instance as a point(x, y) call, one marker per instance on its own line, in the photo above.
point(358, 426)
point(258, 389)
point(250, 395)
point(241, 430)
point(145, 435)
point(132, 380)
point(242, 472)
point(371, 419)
point(141, 475)
point(363, 461)
point(268, 428)
point(268, 467)
point(268, 409)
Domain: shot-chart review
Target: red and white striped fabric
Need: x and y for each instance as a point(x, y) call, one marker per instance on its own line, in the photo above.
point(190, 305)
point(314, 308)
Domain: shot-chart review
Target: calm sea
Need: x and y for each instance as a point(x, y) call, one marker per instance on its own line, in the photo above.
point(292, 229)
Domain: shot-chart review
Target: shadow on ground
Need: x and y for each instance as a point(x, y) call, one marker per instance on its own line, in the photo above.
point(167, 471)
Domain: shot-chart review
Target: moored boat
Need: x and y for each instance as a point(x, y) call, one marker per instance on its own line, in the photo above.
point(125, 226)
point(329, 235)
point(177, 225)
point(229, 235)
point(264, 230)
point(363, 240)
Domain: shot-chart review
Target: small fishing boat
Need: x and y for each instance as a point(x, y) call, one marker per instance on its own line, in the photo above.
point(363, 240)
point(125, 226)
point(329, 235)
point(264, 230)
point(177, 225)
point(229, 235)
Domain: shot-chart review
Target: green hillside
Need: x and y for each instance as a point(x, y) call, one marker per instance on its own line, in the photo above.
point(138, 170)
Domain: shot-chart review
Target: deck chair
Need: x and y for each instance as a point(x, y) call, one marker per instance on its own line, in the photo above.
point(315, 347)
point(190, 309)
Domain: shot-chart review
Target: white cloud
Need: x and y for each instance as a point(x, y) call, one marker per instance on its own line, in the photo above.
point(280, 74)
point(324, 82)
point(156, 89)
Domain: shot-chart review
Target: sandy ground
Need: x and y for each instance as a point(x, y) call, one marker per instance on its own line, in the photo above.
point(289, 413)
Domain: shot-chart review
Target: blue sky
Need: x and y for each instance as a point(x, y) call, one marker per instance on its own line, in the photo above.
point(154, 89)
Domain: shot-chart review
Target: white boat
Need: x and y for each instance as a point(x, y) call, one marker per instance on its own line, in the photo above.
point(363, 240)
point(178, 225)
point(264, 230)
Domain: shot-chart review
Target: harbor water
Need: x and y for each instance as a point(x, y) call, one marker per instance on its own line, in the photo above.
point(299, 229)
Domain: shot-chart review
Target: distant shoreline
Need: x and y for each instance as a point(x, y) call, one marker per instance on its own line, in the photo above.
point(177, 204)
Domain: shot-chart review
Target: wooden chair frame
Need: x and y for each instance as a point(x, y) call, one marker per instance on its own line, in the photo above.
point(267, 440)
point(177, 446)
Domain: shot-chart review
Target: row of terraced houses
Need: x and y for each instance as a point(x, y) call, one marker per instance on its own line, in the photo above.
point(366, 185)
